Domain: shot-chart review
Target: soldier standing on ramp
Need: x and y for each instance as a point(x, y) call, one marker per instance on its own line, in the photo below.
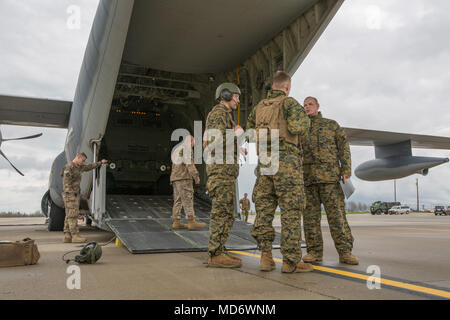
point(183, 190)
point(222, 177)
point(326, 159)
point(285, 186)
point(245, 206)
point(71, 175)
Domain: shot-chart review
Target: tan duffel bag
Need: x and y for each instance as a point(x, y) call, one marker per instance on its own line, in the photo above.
point(19, 253)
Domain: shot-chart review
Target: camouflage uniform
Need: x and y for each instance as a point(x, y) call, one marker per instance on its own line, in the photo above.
point(284, 189)
point(326, 159)
point(221, 183)
point(183, 189)
point(71, 174)
point(245, 206)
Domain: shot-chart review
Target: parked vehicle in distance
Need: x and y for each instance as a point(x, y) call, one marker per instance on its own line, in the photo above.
point(379, 207)
point(399, 210)
point(440, 210)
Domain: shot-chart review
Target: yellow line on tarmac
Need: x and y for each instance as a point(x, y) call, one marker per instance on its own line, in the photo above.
point(392, 283)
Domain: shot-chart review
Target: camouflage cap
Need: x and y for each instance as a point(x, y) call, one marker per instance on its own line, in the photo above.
point(227, 85)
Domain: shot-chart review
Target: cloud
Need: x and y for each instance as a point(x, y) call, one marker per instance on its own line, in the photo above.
point(42, 59)
point(43, 56)
point(393, 76)
point(383, 67)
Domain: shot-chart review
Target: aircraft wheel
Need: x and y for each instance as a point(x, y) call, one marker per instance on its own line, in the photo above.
point(56, 218)
point(45, 203)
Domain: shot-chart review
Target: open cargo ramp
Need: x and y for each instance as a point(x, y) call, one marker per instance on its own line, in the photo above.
point(143, 224)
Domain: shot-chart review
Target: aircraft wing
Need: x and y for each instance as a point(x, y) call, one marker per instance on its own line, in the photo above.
point(393, 154)
point(34, 112)
point(364, 137)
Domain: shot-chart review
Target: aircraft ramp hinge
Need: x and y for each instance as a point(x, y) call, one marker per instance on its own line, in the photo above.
point(95, 141)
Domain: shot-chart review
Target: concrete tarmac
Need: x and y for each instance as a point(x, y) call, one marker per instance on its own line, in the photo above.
point(411, 250)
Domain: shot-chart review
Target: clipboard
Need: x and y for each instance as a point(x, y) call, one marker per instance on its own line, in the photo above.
point(347, 188)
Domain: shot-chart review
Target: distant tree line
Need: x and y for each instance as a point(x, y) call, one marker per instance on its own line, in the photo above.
point(357, 207)
point(11, 214)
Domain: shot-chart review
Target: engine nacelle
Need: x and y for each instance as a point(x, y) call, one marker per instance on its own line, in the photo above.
point(396, 167)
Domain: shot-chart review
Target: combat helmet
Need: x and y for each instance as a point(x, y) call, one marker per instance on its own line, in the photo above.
point(226, 90)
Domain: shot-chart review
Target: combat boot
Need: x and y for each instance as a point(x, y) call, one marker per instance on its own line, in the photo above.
point(234, 257)
point(67, 237)
point(178, 225)
point(267, 263)
point(223, 261)
point(312, 258)
point(348, 258)
point(299, 267)
point(194, 225)
point(77, 239)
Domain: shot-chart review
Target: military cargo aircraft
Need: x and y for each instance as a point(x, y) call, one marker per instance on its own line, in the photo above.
point(153, 66)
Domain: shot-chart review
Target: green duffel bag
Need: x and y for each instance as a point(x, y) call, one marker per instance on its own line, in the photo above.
point(19, 253)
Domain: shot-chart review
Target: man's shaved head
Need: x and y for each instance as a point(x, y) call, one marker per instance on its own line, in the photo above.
point(313, 98)
point(281, 79)
point(82, 154)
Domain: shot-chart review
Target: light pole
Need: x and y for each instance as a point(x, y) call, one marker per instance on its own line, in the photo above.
point(417, 192)
point(395, 190)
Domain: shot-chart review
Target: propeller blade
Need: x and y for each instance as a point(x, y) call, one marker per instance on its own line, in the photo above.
point(23, 138)
point(4, 156)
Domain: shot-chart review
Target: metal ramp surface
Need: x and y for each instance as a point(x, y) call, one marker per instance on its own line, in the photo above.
point(143, 224)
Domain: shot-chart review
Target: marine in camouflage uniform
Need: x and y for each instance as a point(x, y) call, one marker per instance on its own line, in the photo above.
point(71, 176)
point(222, 178)
point(326, 159)
point(285, 187)
point(183, 190)
point(245, 206)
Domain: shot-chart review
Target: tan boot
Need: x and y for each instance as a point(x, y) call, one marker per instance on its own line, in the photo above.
point(67, 237)
point(234, 257)
point(312, 258)
point(299, 267)
point(223, 261)
point(267, 263)
point(348, 258)
point(77, 239)
point(194, 225)
point(178, 225)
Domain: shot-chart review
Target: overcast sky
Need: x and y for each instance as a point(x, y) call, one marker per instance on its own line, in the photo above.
point(380, 65)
